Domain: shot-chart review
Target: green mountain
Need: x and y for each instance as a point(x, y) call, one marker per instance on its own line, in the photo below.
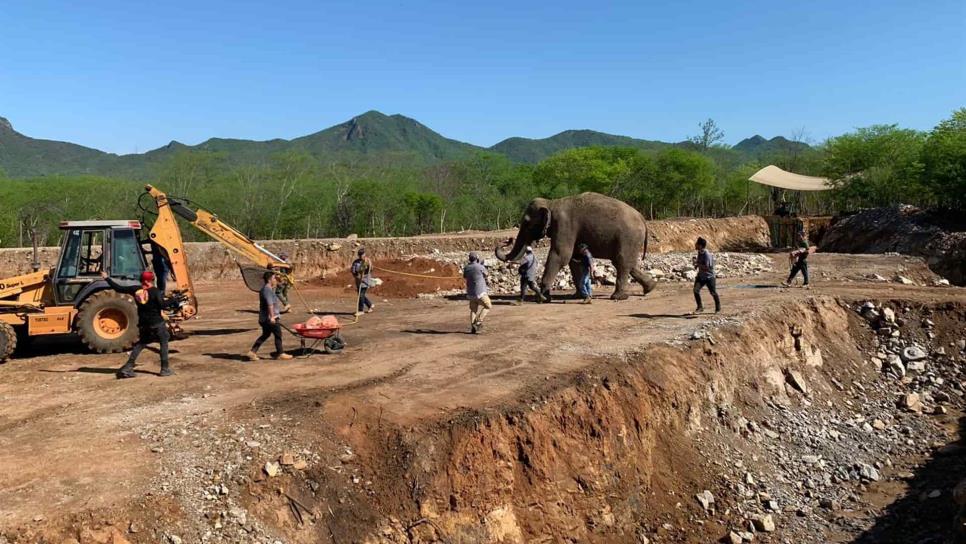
point(22, 156)
point(759, 147)
point(370, 136)
point(535, 150)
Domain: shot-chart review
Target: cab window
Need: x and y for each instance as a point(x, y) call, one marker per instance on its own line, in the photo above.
point(126, 257)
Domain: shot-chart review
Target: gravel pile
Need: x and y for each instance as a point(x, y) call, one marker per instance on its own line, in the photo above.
point(804, 467)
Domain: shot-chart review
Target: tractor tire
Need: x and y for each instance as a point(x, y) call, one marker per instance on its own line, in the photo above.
point(8, 341)
point(333, 344)
point(107, 322)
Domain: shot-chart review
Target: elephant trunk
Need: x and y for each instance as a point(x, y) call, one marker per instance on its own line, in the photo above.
point(515, 253)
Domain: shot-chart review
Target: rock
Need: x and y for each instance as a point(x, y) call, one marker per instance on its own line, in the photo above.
point(735, 538)
point(347, 457)
point(332, 246)
point(961, 344)
point(764, 523)
point(878, 425)
point(157, 449)
point(868, 472)
point(253, 444)
point(941, 282)
point(706, 499)
point(889, 315)
point(916, 366)
point(272, 469)
point(286, 459)
point(904, 280)
point(811, 459)
point(895, 366)
point(913, 353)
point(172, 539)
point(300, 464)
point(352, 237)
point(911, 402)
point(796, 380)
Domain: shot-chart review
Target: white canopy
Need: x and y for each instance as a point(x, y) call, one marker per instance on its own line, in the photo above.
point(776, 177)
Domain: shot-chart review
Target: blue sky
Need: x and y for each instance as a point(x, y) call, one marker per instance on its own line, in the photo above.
point(127, 76)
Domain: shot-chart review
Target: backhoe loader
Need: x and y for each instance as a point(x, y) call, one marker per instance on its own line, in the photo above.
point(71, 297)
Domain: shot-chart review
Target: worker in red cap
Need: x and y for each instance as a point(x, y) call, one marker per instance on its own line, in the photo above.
point(151, 325)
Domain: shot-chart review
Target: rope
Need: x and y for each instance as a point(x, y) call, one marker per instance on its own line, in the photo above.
point(418, 275)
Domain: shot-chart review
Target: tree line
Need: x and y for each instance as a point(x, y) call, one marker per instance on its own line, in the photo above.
point(297, 196)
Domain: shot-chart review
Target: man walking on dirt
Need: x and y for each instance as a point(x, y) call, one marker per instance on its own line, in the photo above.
point(150, 302)
point(269, 316)
point(799, 260)
point(362, 272)
point(476, 291)
point(704, 263)
point(528, 274)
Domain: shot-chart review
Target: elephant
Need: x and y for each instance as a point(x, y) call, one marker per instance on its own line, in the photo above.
point(611, 229)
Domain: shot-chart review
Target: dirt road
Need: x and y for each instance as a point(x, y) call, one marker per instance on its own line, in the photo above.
point(74, 440)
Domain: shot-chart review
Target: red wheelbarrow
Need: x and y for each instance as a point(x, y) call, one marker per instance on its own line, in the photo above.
point(324, 330)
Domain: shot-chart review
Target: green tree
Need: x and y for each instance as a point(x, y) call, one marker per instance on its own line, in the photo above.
point(944, 161)
point(573, 171)
point(709, 136)
point(876, 166)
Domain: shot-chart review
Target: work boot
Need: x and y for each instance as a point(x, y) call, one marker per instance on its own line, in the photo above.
point(370, 309)
point(473, 329)
point(287, 308)
point(588, 300)
point(125, 373)
point(283, 357)
point(698, 310)
point(479, 326)
point(166, 371)
point(252, 356)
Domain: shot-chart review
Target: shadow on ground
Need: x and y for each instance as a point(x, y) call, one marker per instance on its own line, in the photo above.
point(917, 519)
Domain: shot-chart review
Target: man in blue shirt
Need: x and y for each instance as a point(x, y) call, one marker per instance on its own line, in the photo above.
point(362, 273)
point(269, 316)
point(476, 292)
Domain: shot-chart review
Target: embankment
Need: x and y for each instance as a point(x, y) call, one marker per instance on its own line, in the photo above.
point(795, 423)
point(318, 258)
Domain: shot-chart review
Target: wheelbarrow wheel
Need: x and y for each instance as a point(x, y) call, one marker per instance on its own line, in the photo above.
point(333, 344)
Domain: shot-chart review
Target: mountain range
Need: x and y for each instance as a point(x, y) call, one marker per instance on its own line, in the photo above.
point(370, 135)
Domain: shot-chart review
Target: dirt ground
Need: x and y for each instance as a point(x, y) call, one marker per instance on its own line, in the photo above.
point(81, 451)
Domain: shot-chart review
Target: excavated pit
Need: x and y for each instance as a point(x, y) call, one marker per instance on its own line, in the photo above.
point(786, 419)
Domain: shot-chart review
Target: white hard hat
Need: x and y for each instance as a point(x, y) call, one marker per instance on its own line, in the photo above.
point(529, 249)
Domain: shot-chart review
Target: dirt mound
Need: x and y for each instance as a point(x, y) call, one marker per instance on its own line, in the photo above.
point(940, 239)
point(401, 278)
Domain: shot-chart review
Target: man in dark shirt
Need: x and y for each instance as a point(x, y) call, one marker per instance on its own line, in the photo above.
point(151, 325)
point(528, 274)
point(269, 314)
point(704, 263)
point(362, 273)
point(799, 260)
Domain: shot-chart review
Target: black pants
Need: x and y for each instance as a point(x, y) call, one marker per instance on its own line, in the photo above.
point(799, 266)
point(269, 329)
point(710, 282)
point(149, 334)
point(526, 282)
point(363, 299)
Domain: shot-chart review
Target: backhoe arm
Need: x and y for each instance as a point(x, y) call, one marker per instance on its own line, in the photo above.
point(167, 234)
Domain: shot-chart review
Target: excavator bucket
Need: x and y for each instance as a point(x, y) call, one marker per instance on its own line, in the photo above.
point(253, 276)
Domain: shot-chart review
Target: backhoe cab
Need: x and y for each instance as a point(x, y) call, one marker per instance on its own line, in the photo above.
point(72, 297)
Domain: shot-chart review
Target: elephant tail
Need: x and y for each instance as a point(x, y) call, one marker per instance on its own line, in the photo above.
point(644, 256)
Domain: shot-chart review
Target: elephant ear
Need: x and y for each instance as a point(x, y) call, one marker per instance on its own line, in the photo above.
point(545, 216)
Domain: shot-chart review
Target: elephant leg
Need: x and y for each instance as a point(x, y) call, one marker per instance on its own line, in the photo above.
point(620, 291)
point(645, 279)
point(555, 261)
point(577, 273)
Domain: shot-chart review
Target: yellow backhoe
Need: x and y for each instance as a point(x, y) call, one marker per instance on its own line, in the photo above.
point(72, 298)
